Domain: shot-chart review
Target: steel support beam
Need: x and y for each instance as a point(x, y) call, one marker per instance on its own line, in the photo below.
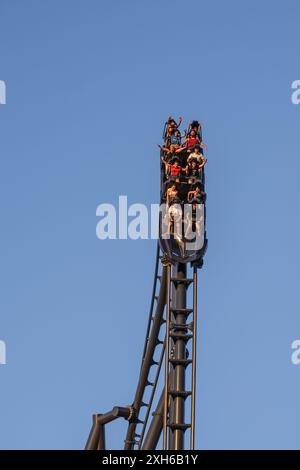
point(156, 426)
point(148, 360)
point(172, 383)
point(194, 357)
point(180, 370)
point(96, 439)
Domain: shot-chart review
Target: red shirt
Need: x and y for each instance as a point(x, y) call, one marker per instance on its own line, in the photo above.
point(175, 170)
point(191, 141)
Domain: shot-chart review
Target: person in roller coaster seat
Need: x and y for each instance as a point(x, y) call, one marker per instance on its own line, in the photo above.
point(200, 159)
point(175, 138)
point(196, 154)
point(175, 221)
point(196, 196)
point(191, 141)
point(172, 218)
point(170, 125)
point(172, 195)
point(195, 126)
point(192, 171)
point(171, 151)
point(173, 169)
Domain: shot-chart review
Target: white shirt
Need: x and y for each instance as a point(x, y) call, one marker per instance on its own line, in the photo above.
point(197, 156)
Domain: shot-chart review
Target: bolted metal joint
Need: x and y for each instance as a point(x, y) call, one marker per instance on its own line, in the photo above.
point(132, 414)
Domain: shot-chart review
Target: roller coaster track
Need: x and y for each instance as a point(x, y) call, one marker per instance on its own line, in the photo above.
point(168, 366)
point(169, 318)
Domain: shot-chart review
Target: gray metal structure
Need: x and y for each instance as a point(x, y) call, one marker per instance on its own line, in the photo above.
point(171, 336)
point(167, 378)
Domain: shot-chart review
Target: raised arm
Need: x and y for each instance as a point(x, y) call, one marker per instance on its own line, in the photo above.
point(163, 148)
point(190, 195)
point(165, 163)
point(184, 142)
point(179, 149)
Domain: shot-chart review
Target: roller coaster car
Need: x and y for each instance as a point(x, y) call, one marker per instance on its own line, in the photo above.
point(182, 225)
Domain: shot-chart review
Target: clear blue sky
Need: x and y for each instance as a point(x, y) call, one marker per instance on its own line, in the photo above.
point(89, 84)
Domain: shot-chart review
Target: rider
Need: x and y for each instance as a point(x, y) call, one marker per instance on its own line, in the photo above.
point(193, 171)
point(170, 125)
point(197, 195)
point(192, 140)
point(173, 169)
point(196, 154)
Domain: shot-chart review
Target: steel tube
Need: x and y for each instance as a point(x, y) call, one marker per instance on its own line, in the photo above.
point(101, 443)
point(180, 370)
point(171, 373)
point(97, 434)
point(93, 439)
point(156, 426)
point(152, 301)
point(194, 357)
point(167, 352)
point(147, 362)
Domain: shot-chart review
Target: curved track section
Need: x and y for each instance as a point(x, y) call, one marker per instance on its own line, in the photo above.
point(171, 331)
point(152, 344)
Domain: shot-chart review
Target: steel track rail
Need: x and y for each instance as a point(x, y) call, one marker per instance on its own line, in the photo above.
point(148, 361)
point(153, 297)
point(194, 359)
point(146, 418)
